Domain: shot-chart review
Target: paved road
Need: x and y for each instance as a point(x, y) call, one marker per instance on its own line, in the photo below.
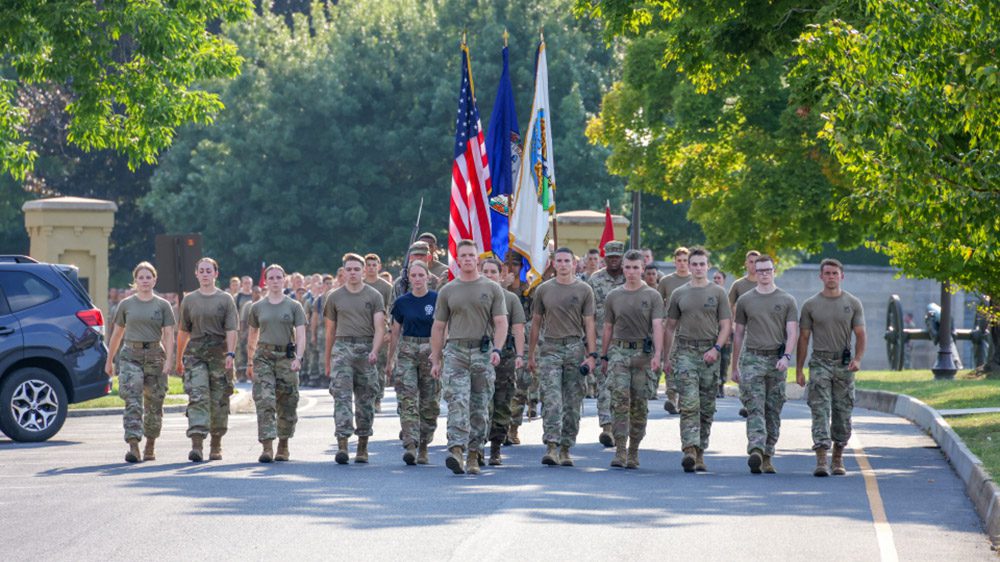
point(75, 499)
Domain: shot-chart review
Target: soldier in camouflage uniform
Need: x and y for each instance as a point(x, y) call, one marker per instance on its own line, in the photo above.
point(666, 287)
point(742, 285)
point(276, 322)
point(511, 362)
point(699, 314)
point(633, 331)
point(526, 383)
point(355, 320)
point(603, 282)
point(830, 317)
point(145, 324)
point(474, 312)
point(766, 328)
point(373, 265)
point(316, 376)
point(206, 350)
point(565, 312)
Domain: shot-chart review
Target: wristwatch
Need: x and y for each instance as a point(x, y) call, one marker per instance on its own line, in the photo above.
point(717, 347)
point(787, 356)
point(231, 354)
point(594, 354)
point(604, 358)
point(497, 351)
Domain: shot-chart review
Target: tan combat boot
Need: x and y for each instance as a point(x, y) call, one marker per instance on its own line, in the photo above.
point(690, 458)
point(755, 460)
point(422, 453)
point(821, 468)
point(472, 463)
point(133, 450)
point(495, 458)
point(699, 462)
point(619, 460)
point(454, 460)
point(670, 404)
point(410, 455)
point(564, 458)
point(512, 435)
point(551, 456)
point(215, 448)
point(342, 452)
point(149, 451)
point(267, 454)
point(282, 453)
point(606, 438)
point(361, 456)
point(632, 459)
point(838, 460)
point(197, 441)
point(767, 467)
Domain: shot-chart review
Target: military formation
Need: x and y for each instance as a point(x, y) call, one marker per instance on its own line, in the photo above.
point(493, 346)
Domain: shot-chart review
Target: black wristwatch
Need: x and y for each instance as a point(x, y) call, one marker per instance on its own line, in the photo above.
point(787, 356)
point(604, 358)
point(497, 351)
point(231, 354)
point(594, 354)
point(717, 347)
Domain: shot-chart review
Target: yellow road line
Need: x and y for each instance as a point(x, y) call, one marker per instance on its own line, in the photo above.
point(883, 532)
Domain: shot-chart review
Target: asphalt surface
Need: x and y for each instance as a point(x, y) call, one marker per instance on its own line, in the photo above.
point(74, 498)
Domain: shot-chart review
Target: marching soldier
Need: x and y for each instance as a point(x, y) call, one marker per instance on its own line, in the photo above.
point(511, 362)
point(666, 287)
point(373, 265)
point(317, 335)
point(603, 282)
point(438, 269)
point(740, 286)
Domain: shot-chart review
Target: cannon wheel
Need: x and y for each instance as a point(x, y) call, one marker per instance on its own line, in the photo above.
point(894, 335)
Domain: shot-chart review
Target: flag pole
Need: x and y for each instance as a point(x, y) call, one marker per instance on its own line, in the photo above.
point(505, 36)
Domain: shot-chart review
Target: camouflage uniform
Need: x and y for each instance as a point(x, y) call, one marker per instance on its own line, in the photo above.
point(468, 378)
point(241, 352)
point(762, 390)
point(628, 386)
point(503, 393)
point(697, 384)
point(603, 282)
point(563, 388)
point(526, 383)
point(275, 393)
point(317, 375)
point(350, 373)
point(142, 384)
point(208, 385)
point(418, 394)
point(831, 399)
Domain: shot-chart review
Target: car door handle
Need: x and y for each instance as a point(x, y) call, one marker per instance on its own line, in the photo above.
point(5, 331)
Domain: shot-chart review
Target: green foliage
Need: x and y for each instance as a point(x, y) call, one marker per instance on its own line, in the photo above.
point(128, 65)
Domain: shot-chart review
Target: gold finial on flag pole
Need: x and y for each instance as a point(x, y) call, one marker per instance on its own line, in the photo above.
point(464, 32)
point(505, 36)
point(541, 33)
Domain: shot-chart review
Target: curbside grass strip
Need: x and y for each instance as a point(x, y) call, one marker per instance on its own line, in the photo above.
point(237, 401)
point(979, 486)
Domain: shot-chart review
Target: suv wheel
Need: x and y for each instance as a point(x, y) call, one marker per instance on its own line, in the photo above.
point(32, 405)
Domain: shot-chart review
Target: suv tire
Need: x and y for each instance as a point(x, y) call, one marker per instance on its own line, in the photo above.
point(32, 405)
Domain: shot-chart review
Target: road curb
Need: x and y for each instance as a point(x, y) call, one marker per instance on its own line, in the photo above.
point(236, 402)
point(979, 486)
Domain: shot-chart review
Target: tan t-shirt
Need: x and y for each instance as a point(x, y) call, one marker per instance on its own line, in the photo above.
point(698, 311)
point(384, 288)
point(740, 286)
point(831, 320)
point(144, 321)
point(469, 307)
point(515, 312)
point(633, 312)
point(354, 313)
point(276, 322)
point(765, 318)
point(212, 315)
point(669, 284)
point(562, 307)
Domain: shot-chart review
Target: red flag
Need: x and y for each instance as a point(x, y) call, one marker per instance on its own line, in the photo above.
point(262, 266)
point(609, 228)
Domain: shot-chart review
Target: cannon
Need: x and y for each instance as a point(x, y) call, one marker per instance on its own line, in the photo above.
point(896, 335)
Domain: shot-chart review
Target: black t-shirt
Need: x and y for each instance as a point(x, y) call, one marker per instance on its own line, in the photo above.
point(415, 314)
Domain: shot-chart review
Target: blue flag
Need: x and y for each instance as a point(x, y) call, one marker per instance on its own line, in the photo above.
point(503, 150)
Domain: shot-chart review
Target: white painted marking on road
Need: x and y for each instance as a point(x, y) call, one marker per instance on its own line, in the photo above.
point(883, 531)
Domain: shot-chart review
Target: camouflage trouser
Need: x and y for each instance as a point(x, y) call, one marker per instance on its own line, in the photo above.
point(380, 372)
point(503, 395)
point(525, 390)
point(352, 376)
point(316, 372)
point(142, 384)
point(275, 393)
point(603, 395)
point(830, 395)
point(208, 385)
point(562, 390)
point(727, 352)
point(697, 384)
point(762, 390)
point(417, 393)
point(241, 356)
point(467, 376)
point(628, 385)
point(307, 360)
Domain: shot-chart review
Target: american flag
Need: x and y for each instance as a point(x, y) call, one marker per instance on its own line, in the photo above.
point(470, 176)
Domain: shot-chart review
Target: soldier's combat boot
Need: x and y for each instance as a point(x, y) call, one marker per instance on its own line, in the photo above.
point(361, 456)
point(699, 462)
point(410, 455)
point(472, 463)
point(632, 458)
point(838, 460)
point(215, 448)
point(495, 458)
point(744, 413)
point(755, 460)
point(282, 452)
point(564, 458)
point(267, 454)
point(670, 403)
point(149, 451)
point(422, 453)
point(767, 467)
point(690, 459)
point(512, 435)
point(454, 460)
point(133, 450)
point(619, 460)
point(342, 455)
point(606, 438)
point(821, 468)
point(551, 456)
point(197, 441)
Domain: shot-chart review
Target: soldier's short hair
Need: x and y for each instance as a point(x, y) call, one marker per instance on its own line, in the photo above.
point(465, 242)
point(274, 266)
point(764, 257)
point(246, 278)
point(753, 254)
point(375, 257)
point(214, 263)
point(681, 251)
point(832, 263)
point(328, 277)
point(144, 265)
point(593, 252)
point(633, 255)
point(699, 251)
point(419, 265)
point(651, 266)
point(351, 256)
point(495, 262)
point(564, 250)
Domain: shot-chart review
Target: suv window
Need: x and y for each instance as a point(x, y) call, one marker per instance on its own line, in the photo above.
point(24, 290)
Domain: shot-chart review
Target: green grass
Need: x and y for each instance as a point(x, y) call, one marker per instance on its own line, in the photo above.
point(175, 386)
point(966, 391)
point(982, 435)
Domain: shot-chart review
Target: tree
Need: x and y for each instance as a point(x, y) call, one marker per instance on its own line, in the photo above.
point(128, 65)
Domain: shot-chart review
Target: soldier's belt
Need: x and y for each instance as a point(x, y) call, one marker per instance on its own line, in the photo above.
point(627, 344)
point(765, 352)
point(699, 344)
point(564, 341)
point(209, 340)
point(143, 344)
point(269, 347)
point(466, 342)
point(415, 339)
point(354, 339)
point(830, 355)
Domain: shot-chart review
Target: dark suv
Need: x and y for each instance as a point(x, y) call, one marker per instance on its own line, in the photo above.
point(52, 350)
